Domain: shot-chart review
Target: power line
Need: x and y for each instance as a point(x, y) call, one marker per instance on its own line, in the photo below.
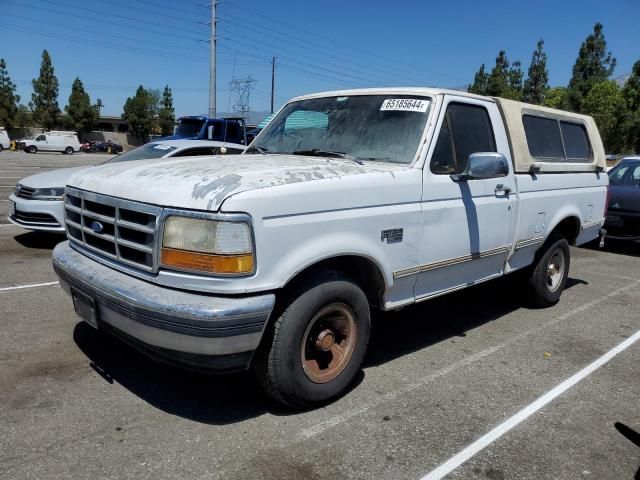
point(85, 17)
point(322, 50)
point(366, 73)
point(351, 47)
point(109, 35)
point(151, 12)
point(77, 40)
point(109, 14)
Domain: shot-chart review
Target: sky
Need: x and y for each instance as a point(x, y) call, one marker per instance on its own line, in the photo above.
point(115, 45)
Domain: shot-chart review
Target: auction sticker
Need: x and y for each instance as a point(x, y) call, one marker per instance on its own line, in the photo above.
point(405, 105)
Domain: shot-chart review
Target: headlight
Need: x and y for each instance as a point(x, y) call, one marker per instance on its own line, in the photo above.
point(48, 194)
point(212, 246)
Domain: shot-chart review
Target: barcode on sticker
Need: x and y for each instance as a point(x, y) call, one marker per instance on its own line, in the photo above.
point(405, 105)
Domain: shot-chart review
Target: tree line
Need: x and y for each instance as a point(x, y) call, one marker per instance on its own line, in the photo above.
point(616, 109)
point(149, 111)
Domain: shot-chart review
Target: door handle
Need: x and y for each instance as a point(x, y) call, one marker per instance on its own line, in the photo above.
point(501, 188)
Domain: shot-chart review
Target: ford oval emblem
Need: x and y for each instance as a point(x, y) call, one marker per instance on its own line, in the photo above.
point(97, 227)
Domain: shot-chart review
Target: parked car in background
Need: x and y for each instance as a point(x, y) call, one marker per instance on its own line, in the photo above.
point(105, 147)
point(86, 145)
point(5, 143)
point(37, 202)
point(623, 212)
point(54, 141)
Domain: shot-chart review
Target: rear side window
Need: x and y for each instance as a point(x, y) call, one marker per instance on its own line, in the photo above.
point(543, 137)
point(552, 140)
point(576, 143)
point(466, 129)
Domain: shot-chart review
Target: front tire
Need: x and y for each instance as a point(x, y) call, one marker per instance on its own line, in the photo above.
point(315, 348)
point(32, 149)
point(549, 275)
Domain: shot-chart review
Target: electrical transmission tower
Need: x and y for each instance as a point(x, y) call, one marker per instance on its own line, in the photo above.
point(242, 88)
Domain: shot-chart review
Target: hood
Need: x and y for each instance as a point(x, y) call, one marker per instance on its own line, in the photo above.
point(52, 179)
point(624, 198)
point(203, 183)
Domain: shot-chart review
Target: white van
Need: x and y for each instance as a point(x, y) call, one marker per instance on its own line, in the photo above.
point(4, 139)
point(55, 141)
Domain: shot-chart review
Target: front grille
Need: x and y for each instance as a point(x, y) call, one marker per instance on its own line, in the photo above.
point(25, 192)
point(119, 229)
point(35, 218)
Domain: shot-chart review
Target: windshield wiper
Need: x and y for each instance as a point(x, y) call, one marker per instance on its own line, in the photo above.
point(316, 152)
point(260, 150)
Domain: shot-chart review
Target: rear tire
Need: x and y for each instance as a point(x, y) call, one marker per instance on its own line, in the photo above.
point(68, 151)
point(550, 271)
point(315, 348)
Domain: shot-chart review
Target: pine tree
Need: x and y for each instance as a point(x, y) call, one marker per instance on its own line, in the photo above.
point(514, 82)
point(537, 82)
point(499, 79)
point(82, 115)
point(631, 95)
point(505, 79)
point(139, 112)
point(166, 116)
point(480, 82)
point(593, 65)
point(44, 100)
point(8, 98)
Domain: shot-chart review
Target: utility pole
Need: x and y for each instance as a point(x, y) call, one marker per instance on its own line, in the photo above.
point(212, 64)
point(273, 80)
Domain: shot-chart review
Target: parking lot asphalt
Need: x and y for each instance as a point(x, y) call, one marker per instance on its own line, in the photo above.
point(438, 377)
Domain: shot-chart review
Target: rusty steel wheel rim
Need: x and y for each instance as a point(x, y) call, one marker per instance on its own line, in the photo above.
point(329, 342)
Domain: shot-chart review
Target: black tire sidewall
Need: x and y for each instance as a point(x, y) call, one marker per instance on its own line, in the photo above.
point(68, 151)
point(538, 279)
point(296, 388)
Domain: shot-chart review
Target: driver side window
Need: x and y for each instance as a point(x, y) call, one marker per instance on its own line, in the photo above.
point(466, 129)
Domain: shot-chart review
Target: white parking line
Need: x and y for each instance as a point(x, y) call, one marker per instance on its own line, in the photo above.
point(487, 439)
point(20, 287)
point(463, 362)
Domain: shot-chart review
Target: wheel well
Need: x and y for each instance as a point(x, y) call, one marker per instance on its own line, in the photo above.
point(362, 270)
point(569, 228)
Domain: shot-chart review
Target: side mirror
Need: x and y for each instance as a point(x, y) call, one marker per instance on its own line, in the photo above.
point(210, 132)
point(483, 165)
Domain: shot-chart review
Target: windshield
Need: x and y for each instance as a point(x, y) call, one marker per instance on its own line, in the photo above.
point(384, 128)
point(145, 152)
point(189, 127)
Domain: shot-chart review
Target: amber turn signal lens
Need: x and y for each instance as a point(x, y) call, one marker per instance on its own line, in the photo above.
point(207, 262)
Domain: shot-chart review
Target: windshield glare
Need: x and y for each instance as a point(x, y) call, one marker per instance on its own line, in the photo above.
point(145, 152)
point(189, 128)
point(384, 128)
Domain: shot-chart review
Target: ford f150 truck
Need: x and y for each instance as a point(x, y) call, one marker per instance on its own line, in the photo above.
point(347, 201)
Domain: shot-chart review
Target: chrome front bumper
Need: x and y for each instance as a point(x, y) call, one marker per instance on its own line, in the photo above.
point(180, 326)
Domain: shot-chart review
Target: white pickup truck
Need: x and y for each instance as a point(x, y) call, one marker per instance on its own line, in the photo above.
point(347, 201)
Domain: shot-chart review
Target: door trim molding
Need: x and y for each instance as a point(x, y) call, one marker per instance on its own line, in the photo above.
point(451, 261)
